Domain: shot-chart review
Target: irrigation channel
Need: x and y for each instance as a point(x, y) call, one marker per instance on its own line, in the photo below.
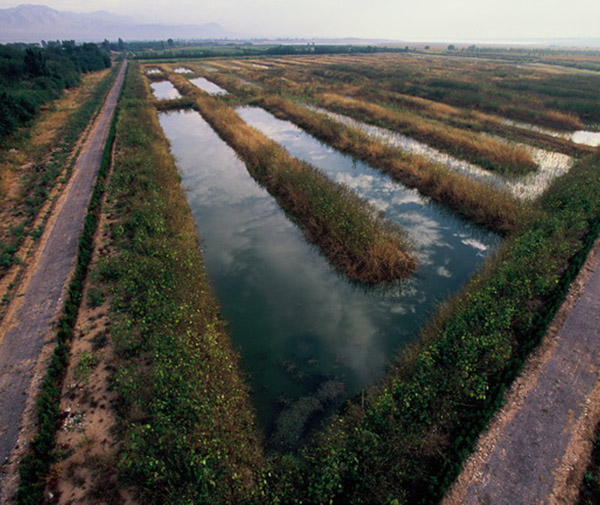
point(308, 336)
point(586, 137)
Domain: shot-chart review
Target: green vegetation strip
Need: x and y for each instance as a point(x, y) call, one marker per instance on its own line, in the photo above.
point(39, 182)
point(189, 432)
point(481, 203)
point(36, 464)
point(589, 493)
point(347, 229)
point(407, 444)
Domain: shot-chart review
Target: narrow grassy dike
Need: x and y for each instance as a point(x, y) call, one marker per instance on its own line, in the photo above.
point(347, 230)
point(189, 431)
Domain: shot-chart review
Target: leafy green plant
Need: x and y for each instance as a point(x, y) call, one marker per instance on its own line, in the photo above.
point(95, 297)
point(85, 366)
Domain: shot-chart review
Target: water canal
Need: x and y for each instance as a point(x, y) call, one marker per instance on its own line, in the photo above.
point(307, 336)
point(210, 87)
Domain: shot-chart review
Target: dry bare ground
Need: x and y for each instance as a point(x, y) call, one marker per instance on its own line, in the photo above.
point(27, 331)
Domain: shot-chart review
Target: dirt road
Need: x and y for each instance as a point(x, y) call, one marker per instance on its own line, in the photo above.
point(32, 324)
point(536, 449)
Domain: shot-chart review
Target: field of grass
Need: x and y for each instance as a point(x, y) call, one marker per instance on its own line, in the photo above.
point(311, 78)
point(530, 94)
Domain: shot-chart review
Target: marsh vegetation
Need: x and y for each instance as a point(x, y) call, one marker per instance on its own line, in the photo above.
point(294, 204)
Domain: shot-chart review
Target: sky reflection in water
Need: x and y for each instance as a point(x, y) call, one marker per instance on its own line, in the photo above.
point(303, 329)
point(164, 90)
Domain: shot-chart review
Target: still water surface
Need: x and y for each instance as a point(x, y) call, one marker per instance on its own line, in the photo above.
point(164, 90)
point(307, 336)
point(210, 87)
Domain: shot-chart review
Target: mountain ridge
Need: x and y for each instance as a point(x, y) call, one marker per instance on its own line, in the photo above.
point(34, 22)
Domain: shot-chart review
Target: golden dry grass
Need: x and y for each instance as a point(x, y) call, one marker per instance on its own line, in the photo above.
point(483, 204)
point(344, 227)
point(489, 152)
point(467, 119)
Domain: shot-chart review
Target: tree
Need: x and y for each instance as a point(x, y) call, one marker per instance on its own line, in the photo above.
point(35, 62)
point(170, 43)
point(451, 47)
point(121, 44)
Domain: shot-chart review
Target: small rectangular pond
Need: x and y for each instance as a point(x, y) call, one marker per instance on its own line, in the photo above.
point(164, 90)
point(210, 87)
point(308, 337)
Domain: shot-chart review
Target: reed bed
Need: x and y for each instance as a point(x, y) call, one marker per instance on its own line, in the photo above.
point(347, 229)
point(482, 204)
point(491, 154)
point(471, 120)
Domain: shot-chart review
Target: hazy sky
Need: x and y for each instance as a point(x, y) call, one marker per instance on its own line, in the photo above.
point(395, 19)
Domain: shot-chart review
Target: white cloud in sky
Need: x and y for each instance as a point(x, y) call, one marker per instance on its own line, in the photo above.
point(397, 19)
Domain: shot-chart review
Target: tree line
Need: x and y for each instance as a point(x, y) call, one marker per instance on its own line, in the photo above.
point(31, 76)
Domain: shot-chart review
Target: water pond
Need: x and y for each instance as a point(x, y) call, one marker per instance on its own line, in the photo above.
point(164, 90)
point(307, 336)
point(587, 137)
point(210, 87)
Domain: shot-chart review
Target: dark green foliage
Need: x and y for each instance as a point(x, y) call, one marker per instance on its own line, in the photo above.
point(589, 493)
point(210, 51)
point(31, 77)
point(36, 464)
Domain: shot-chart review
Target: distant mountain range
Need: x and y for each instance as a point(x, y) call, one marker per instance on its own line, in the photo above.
point(33, 23)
